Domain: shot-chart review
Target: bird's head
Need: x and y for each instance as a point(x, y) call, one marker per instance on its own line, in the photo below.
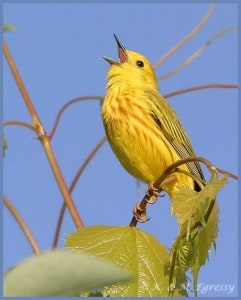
point(132, 69)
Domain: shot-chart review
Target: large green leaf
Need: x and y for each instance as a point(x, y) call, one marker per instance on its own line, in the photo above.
point(60, 273)
point(134, 251)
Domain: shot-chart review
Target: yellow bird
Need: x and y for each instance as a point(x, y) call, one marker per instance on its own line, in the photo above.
point(143, 130)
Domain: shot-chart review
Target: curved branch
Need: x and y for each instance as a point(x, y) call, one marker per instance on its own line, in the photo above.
point(20, 123)
point(180, 162)
point(221, 171)
point(65, 106)
point(58, 226)
point(86, 162)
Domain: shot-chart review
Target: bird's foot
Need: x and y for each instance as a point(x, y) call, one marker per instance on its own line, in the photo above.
point(140, 213)
point(153, 193)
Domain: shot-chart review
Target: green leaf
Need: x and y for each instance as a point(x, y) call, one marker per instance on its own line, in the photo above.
point(134, 251)
point(184, 204)
point(60, 273)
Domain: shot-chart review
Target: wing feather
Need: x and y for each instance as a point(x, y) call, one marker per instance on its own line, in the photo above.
point(167, 120)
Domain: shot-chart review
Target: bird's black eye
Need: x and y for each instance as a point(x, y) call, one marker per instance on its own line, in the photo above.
point(140, 63)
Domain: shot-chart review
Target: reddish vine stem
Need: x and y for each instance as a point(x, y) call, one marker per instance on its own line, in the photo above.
point(65, 106)
point(221, 171)
point(20, 123)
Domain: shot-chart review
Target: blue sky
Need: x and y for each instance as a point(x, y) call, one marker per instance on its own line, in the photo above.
point(58, 49)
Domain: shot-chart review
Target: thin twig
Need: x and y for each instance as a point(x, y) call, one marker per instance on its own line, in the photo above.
point(65, 106)
point(44, 140)
point(72, 186)
point(186, 38)
point(202, 87)
point(58, 226)
point(177, 164)
point(195, 54)
point(22, 224)
point(221, 171)
point(86, 162)
point(20, 123)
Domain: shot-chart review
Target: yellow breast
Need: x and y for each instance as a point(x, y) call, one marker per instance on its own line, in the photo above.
point(138, 143)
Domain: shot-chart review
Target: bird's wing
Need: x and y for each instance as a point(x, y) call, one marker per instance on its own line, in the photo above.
point(167, 120)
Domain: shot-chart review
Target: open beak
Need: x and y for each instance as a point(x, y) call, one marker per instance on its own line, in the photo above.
point(123, 57)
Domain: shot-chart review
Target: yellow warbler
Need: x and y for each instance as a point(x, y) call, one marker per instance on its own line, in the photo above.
point(142, 128)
